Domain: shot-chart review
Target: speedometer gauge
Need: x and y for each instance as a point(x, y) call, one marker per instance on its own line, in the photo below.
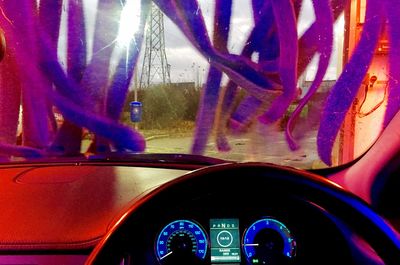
point(268, 241)
point(182, 240)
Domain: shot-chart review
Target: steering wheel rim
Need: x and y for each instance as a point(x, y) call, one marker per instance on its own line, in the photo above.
point(346, 206)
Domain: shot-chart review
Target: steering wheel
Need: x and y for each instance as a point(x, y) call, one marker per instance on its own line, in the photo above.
point(352, 211)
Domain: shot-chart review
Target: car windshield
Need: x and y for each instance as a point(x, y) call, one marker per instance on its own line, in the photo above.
point(299, 83)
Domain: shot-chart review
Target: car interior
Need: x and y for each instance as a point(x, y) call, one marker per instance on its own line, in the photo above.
point(84, 181)
point(124, 207)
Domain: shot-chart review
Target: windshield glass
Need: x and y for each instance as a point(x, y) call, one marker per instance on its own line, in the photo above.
point(300, 83)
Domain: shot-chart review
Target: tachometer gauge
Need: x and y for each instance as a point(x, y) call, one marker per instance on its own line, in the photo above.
point(181, 241)
point(268, 241)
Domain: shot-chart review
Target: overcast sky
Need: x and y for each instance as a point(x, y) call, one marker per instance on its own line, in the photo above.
point(185, 61)
point(187, 64)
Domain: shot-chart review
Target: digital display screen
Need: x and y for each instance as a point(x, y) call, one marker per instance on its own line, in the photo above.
point(225, 241)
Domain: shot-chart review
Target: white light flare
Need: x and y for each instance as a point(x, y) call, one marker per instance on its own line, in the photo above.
point(130, 22)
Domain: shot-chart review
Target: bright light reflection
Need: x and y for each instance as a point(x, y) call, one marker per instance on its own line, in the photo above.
point(130, 21)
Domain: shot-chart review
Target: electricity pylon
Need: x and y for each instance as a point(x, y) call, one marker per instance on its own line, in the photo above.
point(155, 69)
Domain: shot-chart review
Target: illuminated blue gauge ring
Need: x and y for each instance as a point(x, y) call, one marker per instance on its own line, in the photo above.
point(251, 235)
point(181, 234)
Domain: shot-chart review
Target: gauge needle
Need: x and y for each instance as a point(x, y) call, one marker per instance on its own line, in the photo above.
point(166, 255)
point(251, 245)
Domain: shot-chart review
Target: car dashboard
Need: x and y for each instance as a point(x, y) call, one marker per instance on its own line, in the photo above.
point(57, 214)
point(239, 228)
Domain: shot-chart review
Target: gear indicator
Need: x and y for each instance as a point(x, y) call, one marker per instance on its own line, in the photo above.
point(225, 241)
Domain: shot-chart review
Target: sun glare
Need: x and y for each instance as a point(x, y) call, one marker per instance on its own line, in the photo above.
point(130, 21)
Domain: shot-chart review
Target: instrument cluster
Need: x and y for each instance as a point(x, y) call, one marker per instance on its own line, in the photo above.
point(225, 241)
